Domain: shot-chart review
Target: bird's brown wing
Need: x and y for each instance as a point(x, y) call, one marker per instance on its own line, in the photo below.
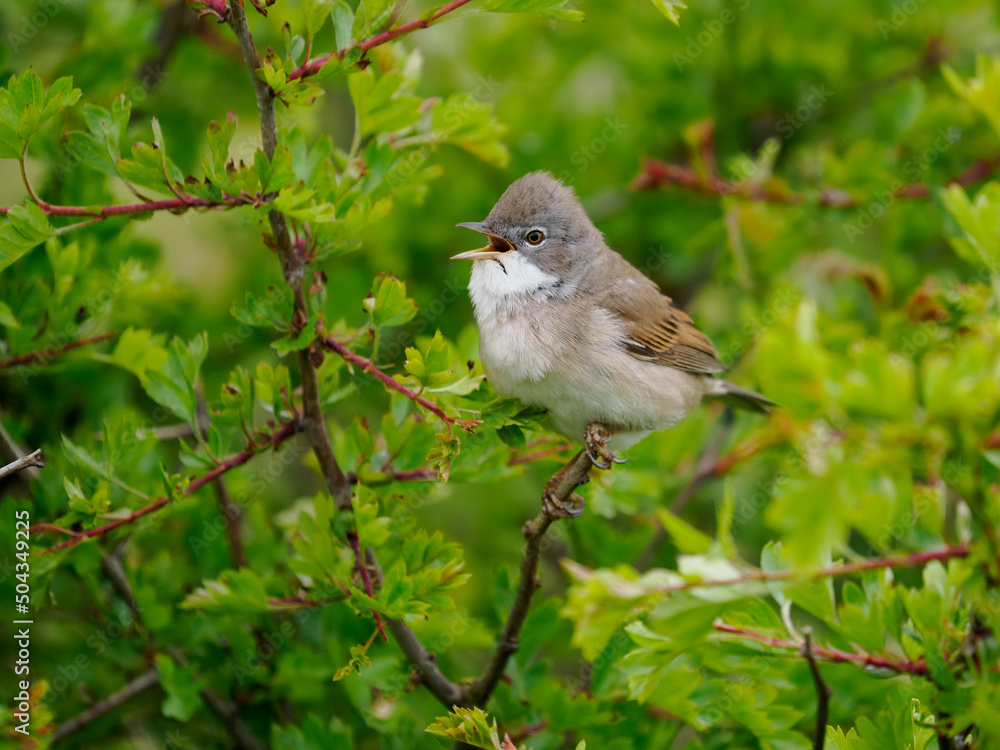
point(656, 329)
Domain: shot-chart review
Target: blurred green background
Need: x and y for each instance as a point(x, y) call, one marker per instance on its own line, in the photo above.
point(850, 92)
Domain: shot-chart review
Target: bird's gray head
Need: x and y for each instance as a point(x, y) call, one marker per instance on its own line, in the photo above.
point(543, 220)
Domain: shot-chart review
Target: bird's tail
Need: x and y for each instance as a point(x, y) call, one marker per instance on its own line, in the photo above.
point(740, 398)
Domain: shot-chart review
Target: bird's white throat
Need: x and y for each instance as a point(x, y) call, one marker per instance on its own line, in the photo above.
point(498, 285)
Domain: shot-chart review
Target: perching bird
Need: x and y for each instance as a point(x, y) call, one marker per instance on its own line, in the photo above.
point(567, 324)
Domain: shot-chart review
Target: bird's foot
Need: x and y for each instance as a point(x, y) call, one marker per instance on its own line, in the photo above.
point(595, 438)
point(572, 507)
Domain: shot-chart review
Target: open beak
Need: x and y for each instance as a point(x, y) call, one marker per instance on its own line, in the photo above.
point(497, 247)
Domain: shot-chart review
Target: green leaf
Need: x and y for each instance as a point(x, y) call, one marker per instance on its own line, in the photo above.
point(219, 139)
point(183, 690)
point(468, 725)
point(234, 592)
point(555, 9)
point(387, 302)
point(7, 317)
point(23, 228)
point(669, 9)
point(343, 22)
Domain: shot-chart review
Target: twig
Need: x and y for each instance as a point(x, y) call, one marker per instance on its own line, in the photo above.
point(140, 684)
point(312, 423)
point(562, 485)
point(527, 458)
point(368, 366)
point(834, 655)
point(892, 561)
point(292, 268)
point(823, 691)
point(658, 174)
point(129, 209)
point(312, 67)
point(286, 431)
point(366, 579)
point(44, 355)
point(231, 514)
point(32, 459)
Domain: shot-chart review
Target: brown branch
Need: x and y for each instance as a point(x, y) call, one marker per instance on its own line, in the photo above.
point(527, 458)
point(129, 209)
point(362, 569)
point(892, 561)
point(562, 485)
point(32, 459)
point(272, 441)
point(822, 690)
point(658, 174)
point(231, 514)
point(313, 425)
point(292, 268)
point(312, 67)
point(140, 684)
point(368, 366)
point(833, 655)
point(44, 355)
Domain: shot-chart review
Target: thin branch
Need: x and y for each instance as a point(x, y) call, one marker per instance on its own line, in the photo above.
point(823, 691)
point(292, 268)
point(271, 441)
point(527, 458)
point(44, 355)
point(312, 67)
point(362, 568)
point(130, 209)
point(32, 459)
point(140, 684)
point(912, 560)
point(368, 366)
point(562, 485)
point(658, 174)
point(231, 514)
point(833, 655)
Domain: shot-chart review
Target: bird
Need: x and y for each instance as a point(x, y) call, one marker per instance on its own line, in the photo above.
point(569, 325)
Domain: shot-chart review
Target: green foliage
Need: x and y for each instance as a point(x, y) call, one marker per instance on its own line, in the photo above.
point(155, 327)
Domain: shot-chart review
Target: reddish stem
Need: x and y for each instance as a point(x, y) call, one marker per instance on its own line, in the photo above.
point(126, 209)
point(657, 174)
point(368, 366)
point(311, 67)
point(892, 561)
point(917, 668)
point(366, 579)
point(46, 354)
point(528, 458)
point(286, 431)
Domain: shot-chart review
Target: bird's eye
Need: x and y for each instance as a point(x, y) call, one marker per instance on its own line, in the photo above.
point(535, 237)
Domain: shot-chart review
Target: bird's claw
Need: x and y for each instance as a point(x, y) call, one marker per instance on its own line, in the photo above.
point(595, 440)
point(570, 508)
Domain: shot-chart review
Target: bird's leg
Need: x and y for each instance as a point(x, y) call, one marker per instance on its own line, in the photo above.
point(572, 507)
point(595, 438)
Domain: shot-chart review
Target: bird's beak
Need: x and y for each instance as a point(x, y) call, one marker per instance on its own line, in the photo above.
point(497, 247)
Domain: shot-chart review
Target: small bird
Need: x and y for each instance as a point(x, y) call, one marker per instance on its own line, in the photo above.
point(567, 324)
